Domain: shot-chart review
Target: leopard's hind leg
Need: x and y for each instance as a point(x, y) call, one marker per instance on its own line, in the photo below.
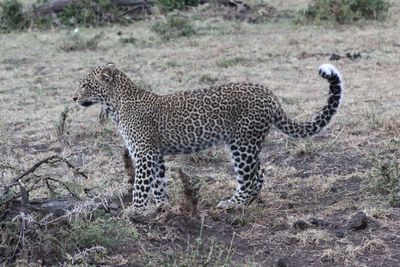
point(245, 148)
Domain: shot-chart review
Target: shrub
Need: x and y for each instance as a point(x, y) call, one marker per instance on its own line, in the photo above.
point(170, 5)
point(175, 26)
point(85, 13)
point(42, 22)
point(385, 181)
point(11, 16)
point(345, 11)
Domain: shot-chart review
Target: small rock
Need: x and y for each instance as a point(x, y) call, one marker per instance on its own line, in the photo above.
point(300, 225)
point(335, 57)
point(339, 233)
point(283, 195)
point(357, 221)
point(353, 56)
point(282, 262)
point(321, 223)
point(210, 179)
point(113, 206)
point(333, 189)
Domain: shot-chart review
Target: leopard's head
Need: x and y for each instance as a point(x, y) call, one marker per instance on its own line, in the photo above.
point(97, 86)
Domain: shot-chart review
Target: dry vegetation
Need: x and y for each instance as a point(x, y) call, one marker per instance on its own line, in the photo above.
point(313, 185)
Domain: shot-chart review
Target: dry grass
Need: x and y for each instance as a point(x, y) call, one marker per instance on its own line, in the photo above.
point(323, 177)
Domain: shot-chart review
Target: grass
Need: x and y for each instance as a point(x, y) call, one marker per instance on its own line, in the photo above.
point(174, 26)
point(128, 40)
point(384, 180)
point(207, 78)
point(345, 11)
point(109, 232)
point(74, 41)
point(32, 239)
point(170, 5)
point(230, 62)
point(202, 252)
point(18, 15)
point(348, 254)
point(350, 166)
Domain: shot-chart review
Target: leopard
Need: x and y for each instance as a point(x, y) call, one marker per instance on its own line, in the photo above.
point(239, 115)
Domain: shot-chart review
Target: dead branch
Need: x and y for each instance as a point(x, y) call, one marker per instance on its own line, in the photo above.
point(62, 121)
point(64, 185)
point(14, 182)
point(130, 170)
point(129, 167)
point(103, 115)
point(65, 206)
point(191, 188)
point(55, 206)
point(75, 169)
point(24, 195)
point(24, 191)
point(49, 160)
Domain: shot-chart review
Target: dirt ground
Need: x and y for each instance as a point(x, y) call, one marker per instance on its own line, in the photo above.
point(313, 186)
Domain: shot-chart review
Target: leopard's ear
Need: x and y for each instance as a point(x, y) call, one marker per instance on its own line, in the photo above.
point(107, 73)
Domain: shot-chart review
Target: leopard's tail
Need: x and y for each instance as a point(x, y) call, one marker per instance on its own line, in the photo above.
point(323, 117)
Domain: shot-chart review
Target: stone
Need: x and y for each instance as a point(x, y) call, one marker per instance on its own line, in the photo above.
point(357, 221)
point(300, 225)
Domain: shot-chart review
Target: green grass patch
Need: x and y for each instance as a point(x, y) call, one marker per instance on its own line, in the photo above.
point(208, 78)
point(128, 40)
point(384, 178)
point(77, 42)
point(109, 233)
point(171, 64)
point(344, 11)
point(170, 5)
point(12, 16)
point(86, 13)
point(289, 100)
point(230, 62)
point(200, 252)
point(384, 181)
point(174, 26)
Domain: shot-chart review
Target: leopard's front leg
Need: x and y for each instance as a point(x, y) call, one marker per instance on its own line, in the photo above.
point(145, 172)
